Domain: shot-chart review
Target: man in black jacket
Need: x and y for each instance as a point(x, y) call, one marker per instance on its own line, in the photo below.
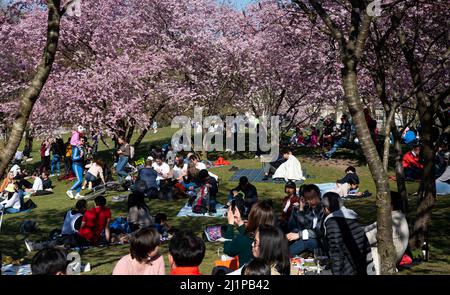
point(345, 239)
point(306, 221)
point(250, 194)
point(342, 136)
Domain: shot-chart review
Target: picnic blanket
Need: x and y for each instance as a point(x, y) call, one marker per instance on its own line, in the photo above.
point(326, 187)
point(14, 270)
point(257, 175)
point(187, 211)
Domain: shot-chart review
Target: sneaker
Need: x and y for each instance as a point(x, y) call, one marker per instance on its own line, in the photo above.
point(85, 267)
point(52, 175)
point(29, 245)
point(78, 196)
point(70, 194)
point(266, 177)
point(83, 188)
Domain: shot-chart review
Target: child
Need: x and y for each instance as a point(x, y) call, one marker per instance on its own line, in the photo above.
point(186, 253)
point(76, 136)
point(144, 257)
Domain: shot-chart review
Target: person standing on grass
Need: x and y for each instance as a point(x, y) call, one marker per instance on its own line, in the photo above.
point(78, 154)
point(68, 156)
point(124, 153)
point(55, 164)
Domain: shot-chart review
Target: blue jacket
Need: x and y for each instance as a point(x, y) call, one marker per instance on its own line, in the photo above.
point(409, 137)
point(148, 175)
point(77, 157)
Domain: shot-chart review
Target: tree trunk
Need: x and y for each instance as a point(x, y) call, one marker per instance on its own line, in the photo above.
point(399, 172)
point(387, 127)
point(386, 248)
point(152, 117)
point(130, 133)
point(31, 94)
point(427, 194)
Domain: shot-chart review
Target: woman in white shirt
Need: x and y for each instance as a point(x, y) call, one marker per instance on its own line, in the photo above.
point(12, 202)
point(179, 169)
point(95, 171)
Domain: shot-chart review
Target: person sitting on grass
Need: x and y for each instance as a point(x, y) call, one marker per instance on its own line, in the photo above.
point(204, 180)
point(7, 181)
point(144, 257)
point(241, 244)
point(46, 182)
point(12, 202)
point(345, 239)
point(148, 176)
point(306, 221)
point(162, 224)
point(49, 261)
point(93, 174)
point(69, 232)
point(37, 183)
point(291, 198)
point(271, 167)
point(400, 232)
point(138, 212)
point(350, 174)
point(291, 169)
point(412, 166)
point(95, 223)
point(256, 267)
point(350, 187)
point(248, 192)
point(186, 253)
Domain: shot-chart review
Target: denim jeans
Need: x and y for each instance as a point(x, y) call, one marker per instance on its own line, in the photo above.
point(67, 164)
point(301, 245)
point(342, 141)
point(413, 173)
point(11, 210)
point(56, 161)
point(120, 168)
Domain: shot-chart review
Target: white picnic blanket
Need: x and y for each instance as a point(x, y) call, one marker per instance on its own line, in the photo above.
point(187, 211)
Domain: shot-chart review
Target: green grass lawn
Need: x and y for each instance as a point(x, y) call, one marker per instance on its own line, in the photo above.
point(51, 209)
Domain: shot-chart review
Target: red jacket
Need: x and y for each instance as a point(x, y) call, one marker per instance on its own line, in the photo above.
point(409, 160)
point(186, 270)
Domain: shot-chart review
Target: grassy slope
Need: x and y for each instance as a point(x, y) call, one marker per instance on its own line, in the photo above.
point(52, 208)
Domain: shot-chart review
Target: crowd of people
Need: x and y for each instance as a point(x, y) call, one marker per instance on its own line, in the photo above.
point(263, 239)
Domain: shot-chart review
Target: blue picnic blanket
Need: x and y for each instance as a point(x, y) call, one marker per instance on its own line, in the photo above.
point(257, 175)
point(14, 270)
point(187, 211)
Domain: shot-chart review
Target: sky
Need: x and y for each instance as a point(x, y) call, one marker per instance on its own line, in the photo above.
point(239, 4)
